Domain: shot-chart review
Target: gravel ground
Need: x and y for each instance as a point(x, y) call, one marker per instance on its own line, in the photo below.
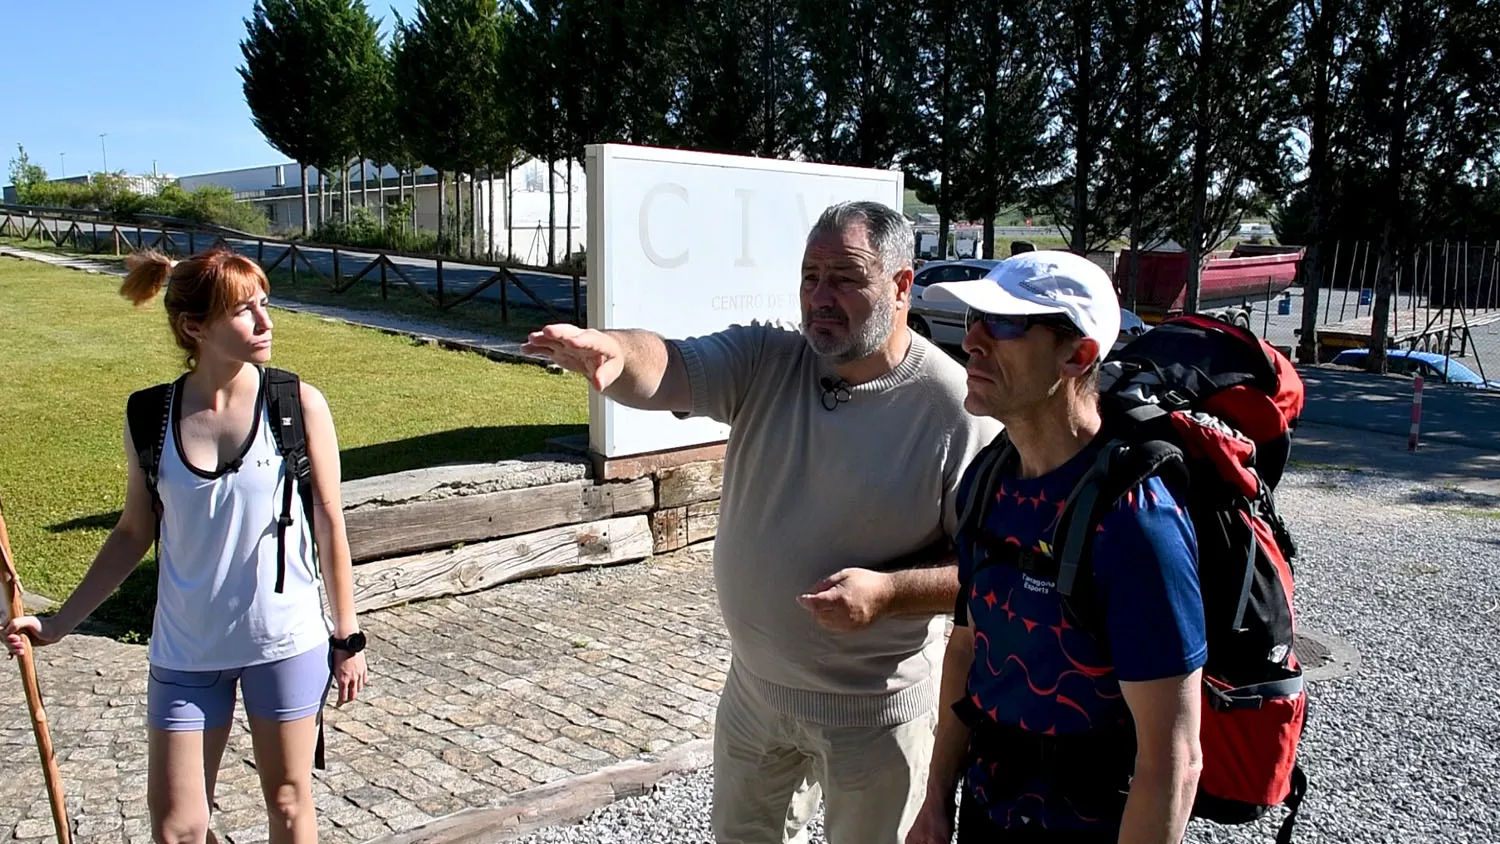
point(1406, 750)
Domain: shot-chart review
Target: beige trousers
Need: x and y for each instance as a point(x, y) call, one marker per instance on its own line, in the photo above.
point(770, 771)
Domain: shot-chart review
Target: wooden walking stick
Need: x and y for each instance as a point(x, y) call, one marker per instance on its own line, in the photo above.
point(11, 583)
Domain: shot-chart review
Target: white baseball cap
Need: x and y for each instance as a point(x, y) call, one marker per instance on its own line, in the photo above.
point(1043, 282)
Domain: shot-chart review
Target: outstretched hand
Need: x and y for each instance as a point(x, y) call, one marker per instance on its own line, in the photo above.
point(849, 599)
point(593, 353)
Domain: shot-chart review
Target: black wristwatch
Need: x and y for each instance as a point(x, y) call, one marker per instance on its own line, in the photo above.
point(352, 644)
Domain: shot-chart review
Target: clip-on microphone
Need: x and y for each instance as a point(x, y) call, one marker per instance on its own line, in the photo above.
point(835, 391)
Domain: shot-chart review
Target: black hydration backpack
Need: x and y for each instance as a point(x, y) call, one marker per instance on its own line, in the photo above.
point(148, 412)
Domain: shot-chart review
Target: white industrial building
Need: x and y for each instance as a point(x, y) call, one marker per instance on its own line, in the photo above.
point(276, 190)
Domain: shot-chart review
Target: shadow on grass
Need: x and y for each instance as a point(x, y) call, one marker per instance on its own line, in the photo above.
point(460, 445)
point(98, 521)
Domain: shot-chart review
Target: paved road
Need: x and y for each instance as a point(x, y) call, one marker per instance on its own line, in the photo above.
point(458, 277)
point(1358, 401)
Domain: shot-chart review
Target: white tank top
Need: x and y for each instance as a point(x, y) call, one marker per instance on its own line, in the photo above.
point(217, 606)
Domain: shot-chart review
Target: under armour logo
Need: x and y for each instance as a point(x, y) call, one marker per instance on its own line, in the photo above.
point(263, 463)
point(286, 421)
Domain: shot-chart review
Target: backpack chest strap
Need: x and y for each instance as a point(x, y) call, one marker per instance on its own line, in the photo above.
point(1030, 561)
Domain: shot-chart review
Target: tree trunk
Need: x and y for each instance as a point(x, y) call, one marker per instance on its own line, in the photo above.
point(1319, 178)
point(568, 236)
point(945, 214)
point(1391, 239)
point(551, 214)
point(1133, 271)
point(306, 204)
point(1202, 126)
point(1083, 126)
point(989, 236)
point(364, 183)
point(489, 239)
point(510, 219)
point(442, 205)
point(768, 148)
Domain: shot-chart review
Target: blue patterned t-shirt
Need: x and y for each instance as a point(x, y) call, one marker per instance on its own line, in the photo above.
point(1034, 670)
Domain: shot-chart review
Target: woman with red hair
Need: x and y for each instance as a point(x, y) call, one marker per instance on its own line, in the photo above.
point(239, 598)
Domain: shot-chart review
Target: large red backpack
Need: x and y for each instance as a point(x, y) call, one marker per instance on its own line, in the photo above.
point(1211, 408)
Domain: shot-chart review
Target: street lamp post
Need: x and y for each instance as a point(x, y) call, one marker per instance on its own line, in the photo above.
point(102, 151)
point(62, 158)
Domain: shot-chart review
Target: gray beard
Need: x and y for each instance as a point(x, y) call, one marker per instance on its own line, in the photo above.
point(861, 343)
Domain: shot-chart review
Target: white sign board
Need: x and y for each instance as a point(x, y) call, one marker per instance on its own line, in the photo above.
point(688, 243)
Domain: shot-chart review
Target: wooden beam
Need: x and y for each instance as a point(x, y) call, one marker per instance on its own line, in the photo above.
point(702, 521)
point(458, 571)
point(690, 484)
point(383, 530)
point(641, 465)
point(669, 530)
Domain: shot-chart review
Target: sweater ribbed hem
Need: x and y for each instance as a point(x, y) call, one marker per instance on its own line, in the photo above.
point(836, 709)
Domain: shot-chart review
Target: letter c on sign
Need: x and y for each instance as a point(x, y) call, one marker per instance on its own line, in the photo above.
point(645, 225)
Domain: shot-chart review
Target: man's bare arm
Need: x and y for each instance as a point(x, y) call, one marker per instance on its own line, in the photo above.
point(635, 368)
point(924, 582)
point(653, 375)
point(1168, 758)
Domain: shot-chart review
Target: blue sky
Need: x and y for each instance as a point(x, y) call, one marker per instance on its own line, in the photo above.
point(159, 78)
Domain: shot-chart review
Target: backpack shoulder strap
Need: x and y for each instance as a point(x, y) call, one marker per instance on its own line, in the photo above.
point(1131, 454)
point(284, 403)
point(147, 414)
point(284, 399)
point(985, 468)
point(974, 505)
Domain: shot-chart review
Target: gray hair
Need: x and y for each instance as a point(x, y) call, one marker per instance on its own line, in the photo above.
point(890, 235)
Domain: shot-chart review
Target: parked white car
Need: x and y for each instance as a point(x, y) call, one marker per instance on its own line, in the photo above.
point(943, 322)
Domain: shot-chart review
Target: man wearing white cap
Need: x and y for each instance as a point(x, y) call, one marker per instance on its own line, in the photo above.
point(1061, 731)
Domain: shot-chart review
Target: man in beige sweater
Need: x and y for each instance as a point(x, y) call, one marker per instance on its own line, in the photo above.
point(832, 563)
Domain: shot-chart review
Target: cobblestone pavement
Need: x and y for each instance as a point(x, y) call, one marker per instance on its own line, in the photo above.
point(472, 698)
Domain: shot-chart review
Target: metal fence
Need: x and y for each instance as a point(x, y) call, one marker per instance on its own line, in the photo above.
point(1446, 304)
point(440, 281)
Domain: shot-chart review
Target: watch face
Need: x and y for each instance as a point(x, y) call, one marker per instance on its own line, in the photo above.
point(353, 643)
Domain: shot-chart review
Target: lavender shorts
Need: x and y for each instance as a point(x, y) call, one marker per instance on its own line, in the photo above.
point(285, 690)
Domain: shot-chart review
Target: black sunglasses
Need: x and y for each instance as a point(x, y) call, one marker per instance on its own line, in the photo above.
point(1010, 326)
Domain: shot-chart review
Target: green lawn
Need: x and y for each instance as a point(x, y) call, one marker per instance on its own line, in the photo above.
point(73, 351)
